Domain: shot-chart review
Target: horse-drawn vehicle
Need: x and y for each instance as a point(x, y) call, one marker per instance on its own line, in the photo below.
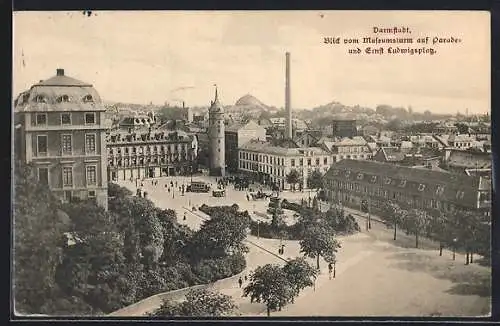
point(198, 186)
point(259, 195)
point(219, 193)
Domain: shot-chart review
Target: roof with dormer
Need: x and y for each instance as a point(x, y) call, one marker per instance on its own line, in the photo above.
point(59, 93)
point(268, 148)
point(459, 189)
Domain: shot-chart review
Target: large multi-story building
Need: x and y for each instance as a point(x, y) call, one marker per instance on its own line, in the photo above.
point(61, 132)
point(349, 182)
point(346, 148)
point(271, 164)
point(141, 148)
point(344, 128)
point(238, 134)
point(216, 136)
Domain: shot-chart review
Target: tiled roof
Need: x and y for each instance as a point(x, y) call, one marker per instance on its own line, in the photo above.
point(457, 188)
point(392, 154)
point(384, 139)
point(304, 135)
point(233, 127)
point(372, 146)
point(406, 144)
point(51, 94)
point(469, 159)
point(62, 81)
point(461, 137)
point(122, 135)
point(267, 148)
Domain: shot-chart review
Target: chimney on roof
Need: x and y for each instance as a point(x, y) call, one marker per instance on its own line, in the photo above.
point(60, 72)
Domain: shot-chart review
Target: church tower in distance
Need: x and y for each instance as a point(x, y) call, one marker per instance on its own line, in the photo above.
point(216, 137)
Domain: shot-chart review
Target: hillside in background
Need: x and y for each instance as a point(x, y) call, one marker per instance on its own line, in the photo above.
point(250, 107)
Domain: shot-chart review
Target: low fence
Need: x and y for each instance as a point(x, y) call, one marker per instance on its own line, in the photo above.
point(152, 303)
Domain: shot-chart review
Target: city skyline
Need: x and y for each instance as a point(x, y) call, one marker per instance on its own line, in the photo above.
point(136, 61)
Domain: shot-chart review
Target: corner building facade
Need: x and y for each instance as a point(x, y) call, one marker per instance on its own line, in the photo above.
point(141, 150)
point(349, 182)
point(216, 136)
point(60, 131)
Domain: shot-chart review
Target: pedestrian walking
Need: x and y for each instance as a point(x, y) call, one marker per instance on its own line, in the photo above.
point(240, 282)
point(245, 278)
point(184, 217)
point(330, 269)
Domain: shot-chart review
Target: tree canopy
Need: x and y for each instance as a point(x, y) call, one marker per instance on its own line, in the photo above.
point(300, 274)
point(319, 240)
point(223, 233)
point(315, 180)
point(38, 241)
point(293, 178)
point(269, 284)
point(198, 303)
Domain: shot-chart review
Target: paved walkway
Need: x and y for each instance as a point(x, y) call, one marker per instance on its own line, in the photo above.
point(375, 276)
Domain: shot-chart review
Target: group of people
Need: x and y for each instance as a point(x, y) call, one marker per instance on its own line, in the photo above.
point(240, 280)
point(169, 186)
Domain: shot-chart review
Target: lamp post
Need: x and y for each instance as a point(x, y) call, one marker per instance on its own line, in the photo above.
point(258, 229)
point(369, 215)
point(334, 267)
point(454, 247)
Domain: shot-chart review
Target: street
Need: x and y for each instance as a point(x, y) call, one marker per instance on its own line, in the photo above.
point(375, 276)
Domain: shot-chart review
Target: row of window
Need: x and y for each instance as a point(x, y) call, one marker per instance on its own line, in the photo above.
point(388, 181)
point(352, 149)
point(42, 142)
point(63, 99)
point(148, 149)
point(67, 175)
point(460, 144)
point(281, 161)
point(301, 162)
point(412, 202)
point(41, 118)
point(144, 161)
point(267, 169)
point(377, 190)
point(262, 158)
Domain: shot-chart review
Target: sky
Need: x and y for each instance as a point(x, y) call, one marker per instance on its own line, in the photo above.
point(159, 56)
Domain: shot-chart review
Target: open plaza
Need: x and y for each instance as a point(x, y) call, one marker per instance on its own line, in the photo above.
point(375, 276)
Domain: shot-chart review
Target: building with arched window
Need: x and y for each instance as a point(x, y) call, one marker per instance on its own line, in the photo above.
point(141, 149)
point(61, 133)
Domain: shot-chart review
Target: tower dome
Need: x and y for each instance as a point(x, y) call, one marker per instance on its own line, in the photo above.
point(248, 100)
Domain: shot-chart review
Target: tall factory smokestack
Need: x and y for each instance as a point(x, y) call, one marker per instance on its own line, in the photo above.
point(288, 109)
